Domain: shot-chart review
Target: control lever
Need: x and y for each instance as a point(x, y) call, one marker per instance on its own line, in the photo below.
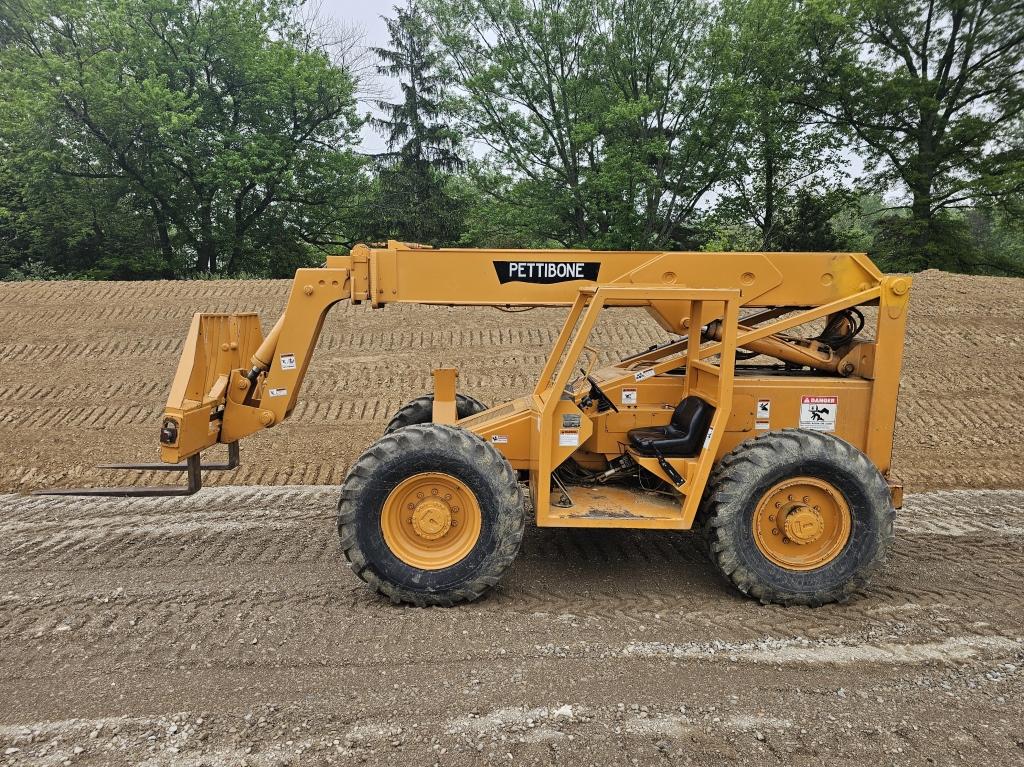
point(669, 469)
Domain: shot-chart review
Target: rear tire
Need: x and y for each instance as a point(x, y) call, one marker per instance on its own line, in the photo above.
point(421, 410)
point(431, 515)
point(842, 507)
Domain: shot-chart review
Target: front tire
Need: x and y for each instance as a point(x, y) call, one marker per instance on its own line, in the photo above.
point(796, 517)
point(431, 515)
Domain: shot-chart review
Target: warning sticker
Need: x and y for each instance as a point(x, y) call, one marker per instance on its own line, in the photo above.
point(629, 396)
point(568, 437)
point(287, 362)
point(818, 413)
point(499, 439)
point(642, 375)
point(707, 439)
point(278, 392)
point(763, 414)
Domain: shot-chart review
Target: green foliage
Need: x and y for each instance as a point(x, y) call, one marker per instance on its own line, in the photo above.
point(618, 113)
point(910, 244)
point(203, 138)
point(505, 213)
point(979, 242)
point(206, 129)
point(31, 271)
point(785, 161)
point(813, 222)
point(71, 226)
point(934, 92)
point(998, 234)
point(728, 235)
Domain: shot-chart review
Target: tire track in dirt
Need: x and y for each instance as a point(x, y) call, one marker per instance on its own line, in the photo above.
point(376, 341)
point(30, 393)
point(105, 350)
point(120, 314)
point(356, 377)
point(255, 474)
point(286, 527)
point(169, 629)
point(964, 415)
point(87, 417)
point(166, 620)
point(155, 631)
point(84, 291)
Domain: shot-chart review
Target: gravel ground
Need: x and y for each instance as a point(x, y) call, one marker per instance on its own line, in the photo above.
point(222, 630)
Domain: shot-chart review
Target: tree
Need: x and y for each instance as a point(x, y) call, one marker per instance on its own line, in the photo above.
point(505, 212)
point(212, 119)
point(619, 112)
point(999, 238)
point(931, 88)
point(783, 150)
point(59, 225)
point(423, 149)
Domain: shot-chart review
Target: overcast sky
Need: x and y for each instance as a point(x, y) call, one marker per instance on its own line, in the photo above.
point(367, 16)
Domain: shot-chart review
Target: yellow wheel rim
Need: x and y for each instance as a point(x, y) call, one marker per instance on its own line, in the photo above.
point(431, 521)
point(802, 523)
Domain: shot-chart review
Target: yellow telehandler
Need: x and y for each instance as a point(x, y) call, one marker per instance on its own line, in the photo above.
point(774, 446)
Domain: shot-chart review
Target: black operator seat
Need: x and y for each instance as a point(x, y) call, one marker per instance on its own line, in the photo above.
point(684, 435)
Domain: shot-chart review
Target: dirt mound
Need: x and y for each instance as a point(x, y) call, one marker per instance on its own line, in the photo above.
point(86, 366)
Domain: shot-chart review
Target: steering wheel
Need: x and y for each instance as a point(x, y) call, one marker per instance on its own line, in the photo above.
point(596, 390)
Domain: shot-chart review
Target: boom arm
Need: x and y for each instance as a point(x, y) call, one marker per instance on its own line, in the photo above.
point(240, 399)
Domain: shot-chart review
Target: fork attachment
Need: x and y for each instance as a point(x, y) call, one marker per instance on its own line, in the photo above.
point(191, 466)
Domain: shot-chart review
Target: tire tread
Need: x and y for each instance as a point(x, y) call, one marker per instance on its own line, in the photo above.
point(725, 499)
point(431, 438)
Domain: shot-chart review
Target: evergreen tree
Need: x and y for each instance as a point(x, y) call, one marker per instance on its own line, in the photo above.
point(414, 199)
